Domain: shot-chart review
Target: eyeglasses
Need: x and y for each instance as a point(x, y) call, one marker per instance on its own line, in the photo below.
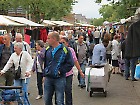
point(4, 38)
point(63, 42)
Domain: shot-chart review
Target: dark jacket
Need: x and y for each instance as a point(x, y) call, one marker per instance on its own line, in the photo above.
point(56, 66)
point(123, 49)
point(132, 46)
point(72, 44)
point(2, 46)
point(11, 50)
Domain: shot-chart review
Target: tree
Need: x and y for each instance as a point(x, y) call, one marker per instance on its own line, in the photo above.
point(49, 8)
point(4, 7)
point(97, 22)
point(118, 10)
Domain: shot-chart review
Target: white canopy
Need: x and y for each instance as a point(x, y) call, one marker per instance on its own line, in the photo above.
point(105, 23)
point(61, 23)
point(123, 21)
point(23, 21)
point(86, 25)
point(129, 19)
point(48, 23)
point(137, 11)
point(6, 22)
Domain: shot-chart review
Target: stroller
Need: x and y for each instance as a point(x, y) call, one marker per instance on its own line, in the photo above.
point(10, 94)
point(96, 79)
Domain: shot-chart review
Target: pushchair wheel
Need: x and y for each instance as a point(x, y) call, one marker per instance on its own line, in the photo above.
point(90, 93)
point(105, 93)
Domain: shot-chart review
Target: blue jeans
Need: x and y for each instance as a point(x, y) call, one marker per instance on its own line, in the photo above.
point(130, 64)
point(68, 90)
point(21, 82)
point(80, 79)
point(52, 85)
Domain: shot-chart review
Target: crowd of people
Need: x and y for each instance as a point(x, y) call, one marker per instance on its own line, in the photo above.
point(54, 63)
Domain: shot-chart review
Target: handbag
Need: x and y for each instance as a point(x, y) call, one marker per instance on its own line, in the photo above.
point(137, 72)
point(18, 71)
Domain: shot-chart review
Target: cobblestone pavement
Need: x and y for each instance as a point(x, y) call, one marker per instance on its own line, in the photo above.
point(120, 92)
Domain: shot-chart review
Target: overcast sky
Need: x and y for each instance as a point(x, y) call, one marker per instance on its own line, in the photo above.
point(88, 8)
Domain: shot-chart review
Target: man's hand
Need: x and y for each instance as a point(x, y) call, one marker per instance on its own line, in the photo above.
point(43, 79)
point(1, 73)
point(32, 72)
point(82, 74)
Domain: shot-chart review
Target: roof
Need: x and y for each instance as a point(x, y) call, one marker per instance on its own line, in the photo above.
point(62, 23)
point(84, 25)
point(48, 23)
point(6, 22)
point(87, 25)
point(23, 21)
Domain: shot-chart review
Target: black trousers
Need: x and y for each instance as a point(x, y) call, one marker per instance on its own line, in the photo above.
point(39, 83)
point(97, 40)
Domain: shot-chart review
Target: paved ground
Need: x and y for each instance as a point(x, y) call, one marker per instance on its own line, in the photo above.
point(120, 92)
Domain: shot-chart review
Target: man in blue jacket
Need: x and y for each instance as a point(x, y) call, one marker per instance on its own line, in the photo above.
point(58, 61)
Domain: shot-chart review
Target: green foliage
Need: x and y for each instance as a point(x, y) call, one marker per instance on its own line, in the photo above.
point(118, 10)
point(50, 8)
point(4, 6)
point(98, 1)
point(97, 22)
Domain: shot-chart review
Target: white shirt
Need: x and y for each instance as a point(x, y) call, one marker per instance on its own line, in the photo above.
point(26, 63)
point(96, 34)
point(38, 65)
point(115, 50)
point(99, 52)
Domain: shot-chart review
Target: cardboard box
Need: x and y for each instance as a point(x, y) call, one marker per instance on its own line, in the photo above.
point(98, 77)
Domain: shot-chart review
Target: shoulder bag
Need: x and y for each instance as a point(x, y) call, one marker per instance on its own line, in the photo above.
point(18, 71)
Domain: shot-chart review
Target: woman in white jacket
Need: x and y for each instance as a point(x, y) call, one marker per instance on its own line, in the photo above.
point(115, 54)
point(26, 63)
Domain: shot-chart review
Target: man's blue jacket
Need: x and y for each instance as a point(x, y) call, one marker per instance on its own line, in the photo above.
point(57, 61)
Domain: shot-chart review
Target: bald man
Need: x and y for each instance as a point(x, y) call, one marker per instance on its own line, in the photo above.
point(19, 38)
point(57, 61)
point(6, 50)
point(62, 33)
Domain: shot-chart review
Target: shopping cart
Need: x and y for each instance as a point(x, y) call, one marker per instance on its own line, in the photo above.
point(11, 94)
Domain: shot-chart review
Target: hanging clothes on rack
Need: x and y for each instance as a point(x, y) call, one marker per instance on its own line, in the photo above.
point(27, 35)
point(35, 34)
point(43, 35)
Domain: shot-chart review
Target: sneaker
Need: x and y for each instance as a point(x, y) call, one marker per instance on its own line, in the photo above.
point(126, 79)
point(38, 97)
point(83, 86)
point(79, 85)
